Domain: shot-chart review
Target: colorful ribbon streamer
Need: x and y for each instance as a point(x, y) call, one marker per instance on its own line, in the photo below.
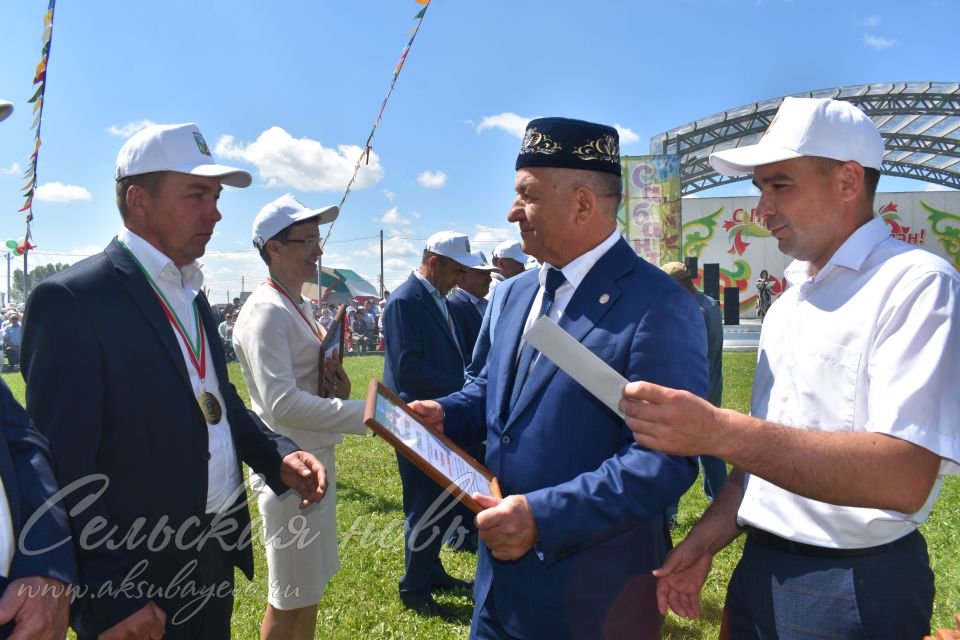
point(40, 81)
point(367, 148)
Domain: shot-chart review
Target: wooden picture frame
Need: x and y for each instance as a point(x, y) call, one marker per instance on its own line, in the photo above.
point(432, 452)
point(333, 346)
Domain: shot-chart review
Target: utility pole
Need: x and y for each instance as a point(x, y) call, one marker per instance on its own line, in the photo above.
point(381, 264)
point(9, 258)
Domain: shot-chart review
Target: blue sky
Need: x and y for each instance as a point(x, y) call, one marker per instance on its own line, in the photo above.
point(289, 91)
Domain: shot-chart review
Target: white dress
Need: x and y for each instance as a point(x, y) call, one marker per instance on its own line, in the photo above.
point(280, 358)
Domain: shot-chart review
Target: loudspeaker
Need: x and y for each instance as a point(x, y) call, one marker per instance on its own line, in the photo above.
point(691, 264)
point(711, 280)
point(731, 305)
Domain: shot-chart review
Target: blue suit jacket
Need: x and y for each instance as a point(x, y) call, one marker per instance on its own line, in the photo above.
point(598, 498)
point(423, 358)
point(27, 471)
point(467, 319)
point(488, 327)
point(129, 425)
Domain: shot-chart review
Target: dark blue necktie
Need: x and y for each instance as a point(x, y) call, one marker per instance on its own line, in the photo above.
point(527, 352)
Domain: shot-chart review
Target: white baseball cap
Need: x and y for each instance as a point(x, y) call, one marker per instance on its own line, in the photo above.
point(808, 127)
point(512, 250)
point(283, 212)
point(484, 265)
point(174, 147)
point(453, 245)
point(6, 108)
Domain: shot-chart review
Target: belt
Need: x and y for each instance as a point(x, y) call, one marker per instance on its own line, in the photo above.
point(770, 541)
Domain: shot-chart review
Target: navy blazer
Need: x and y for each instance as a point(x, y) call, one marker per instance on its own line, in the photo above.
point(128, 429)
point(488, 326)
point(597, 496)
point(467, 319)
point(27, 470)
point(423, 359)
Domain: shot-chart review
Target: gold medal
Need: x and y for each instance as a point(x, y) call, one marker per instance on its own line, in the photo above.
point(210, 407)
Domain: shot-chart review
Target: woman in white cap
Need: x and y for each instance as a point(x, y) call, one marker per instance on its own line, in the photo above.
point(277, 341)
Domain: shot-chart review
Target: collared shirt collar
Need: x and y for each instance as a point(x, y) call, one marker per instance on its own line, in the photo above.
point(423, 279)
point(850, 255)
point(472, 298)
point(578, 268)
point(159, 266)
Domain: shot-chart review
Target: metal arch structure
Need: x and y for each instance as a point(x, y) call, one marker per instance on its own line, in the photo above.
point(919, 122)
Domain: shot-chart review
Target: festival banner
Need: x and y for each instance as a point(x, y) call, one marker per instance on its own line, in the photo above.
point(649, 217)
point(729, 232)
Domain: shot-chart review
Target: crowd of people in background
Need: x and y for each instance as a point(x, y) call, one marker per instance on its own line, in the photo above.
point(853, 420)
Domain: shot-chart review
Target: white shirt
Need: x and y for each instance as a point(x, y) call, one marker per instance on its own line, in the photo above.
point(574, 272)
point(8, 542)
point(181, 286)
point(870, 343)
point(480, 304)
point(280, 358)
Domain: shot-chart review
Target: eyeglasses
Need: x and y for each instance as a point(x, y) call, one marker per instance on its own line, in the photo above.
point(308, 243)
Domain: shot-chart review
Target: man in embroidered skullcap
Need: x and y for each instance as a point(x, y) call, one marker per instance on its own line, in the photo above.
point(569, 553)
point(152, 432)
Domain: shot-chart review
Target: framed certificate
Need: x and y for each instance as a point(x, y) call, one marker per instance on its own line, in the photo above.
point(432, 452)
point(332, 347)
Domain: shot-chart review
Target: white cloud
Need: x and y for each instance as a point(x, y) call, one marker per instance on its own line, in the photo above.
point(59, 192)
point(871, 22)
point(878, 42)
point(392, 217)
point(302, 163)
point(400, 247)
point(393, 247)
point(432, 179)
point(627, 136)
point(127, 130)
point(937, 187)
point(396, 264)
point(509, 122)
point(390, 195)
point(66, 256)
point(492, 236)
point(13, 170)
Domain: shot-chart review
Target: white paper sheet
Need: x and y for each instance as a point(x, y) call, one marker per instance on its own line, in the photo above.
point(577, 361)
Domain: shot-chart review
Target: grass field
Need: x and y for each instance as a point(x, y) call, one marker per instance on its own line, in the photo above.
point(361, 601)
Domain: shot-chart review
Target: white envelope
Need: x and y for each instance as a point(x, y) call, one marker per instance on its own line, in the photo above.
point(578, 362)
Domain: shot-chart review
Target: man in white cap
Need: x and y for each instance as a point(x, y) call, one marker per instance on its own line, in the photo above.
point(424, 359)
point(468, 301)
point(855, 411)
point(508, 256)
point(511, 261)
point(152, 436)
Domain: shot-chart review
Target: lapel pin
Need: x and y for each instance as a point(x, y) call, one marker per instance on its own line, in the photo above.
point(605, 298)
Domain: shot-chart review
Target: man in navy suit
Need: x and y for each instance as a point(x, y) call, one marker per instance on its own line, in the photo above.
point(468, 303)
point(35, 600)
point(150, 438)
point(510, 259)
point(568, 553)
point(424, 359)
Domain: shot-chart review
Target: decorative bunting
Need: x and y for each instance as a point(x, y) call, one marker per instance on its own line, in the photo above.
point(40, 79)
point(367, 147)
